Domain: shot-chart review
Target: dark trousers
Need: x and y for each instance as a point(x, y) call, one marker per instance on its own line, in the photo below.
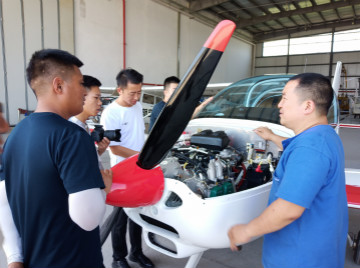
point(118, 236)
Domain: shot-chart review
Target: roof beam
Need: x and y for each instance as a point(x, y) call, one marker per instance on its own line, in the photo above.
point(319, 13)
point(223, 15)
point(244, 10)
point(317, 8)
point(239, 6)
point(181, 6)
point(304, 17)
point(266, 12)
point(197, 5)
point(283, 10)
point(328, 25)
point(353, 10)
point(336, 11)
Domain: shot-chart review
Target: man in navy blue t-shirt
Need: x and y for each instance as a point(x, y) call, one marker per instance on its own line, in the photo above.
point(170, 84)
point(50, 176)
point(305, 224)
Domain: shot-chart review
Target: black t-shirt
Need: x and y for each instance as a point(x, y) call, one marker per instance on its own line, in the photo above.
point(45, 159)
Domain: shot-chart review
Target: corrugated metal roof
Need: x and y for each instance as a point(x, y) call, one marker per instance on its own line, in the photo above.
point(260, 20)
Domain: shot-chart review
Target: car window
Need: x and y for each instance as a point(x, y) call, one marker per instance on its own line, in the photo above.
point(254, 98)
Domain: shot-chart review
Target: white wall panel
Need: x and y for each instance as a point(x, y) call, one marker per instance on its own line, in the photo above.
point(51, 23)
point(321, 69)
point(259, 49)
point(151, 40)
point(271, 61)
point(309, 59)
point(67, 25)
point(347, 57)
point(193, 36)
point(98, 38)
point(270, 70)
point(235, 63)
point(2, 73)
point(14, 57)
point(33, 41)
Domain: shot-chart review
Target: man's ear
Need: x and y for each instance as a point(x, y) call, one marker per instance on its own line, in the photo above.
point(309, 106)
point(118, 89)
point(57, 85)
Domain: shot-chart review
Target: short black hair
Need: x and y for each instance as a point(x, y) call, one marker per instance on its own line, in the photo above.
point(46, 62)
point(171, 79)
point(90, 81)
point(128, 75)
point(317, 88)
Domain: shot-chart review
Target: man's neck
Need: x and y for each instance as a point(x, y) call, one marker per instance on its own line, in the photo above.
point(43, 107)
point(122, 103)
point(318, 121)
point(82, 117)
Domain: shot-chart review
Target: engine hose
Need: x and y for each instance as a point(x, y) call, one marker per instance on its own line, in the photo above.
point(189, 150)
point(192, 150)
point(195, 164)
point(241, 180)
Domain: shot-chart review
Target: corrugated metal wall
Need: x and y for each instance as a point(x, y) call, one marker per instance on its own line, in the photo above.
point(324, 63)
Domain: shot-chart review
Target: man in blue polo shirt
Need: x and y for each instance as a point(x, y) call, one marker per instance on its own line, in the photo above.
point(51, 197)
point(306, 222)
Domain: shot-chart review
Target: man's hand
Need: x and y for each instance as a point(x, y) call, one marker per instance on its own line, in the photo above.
point(276, 216)
point(264, 132)
point(201, 106)
point(267, 134)
point(16, 265)
point(107, 175)
point(102, 145)
point(122, 151)
point(238, 235)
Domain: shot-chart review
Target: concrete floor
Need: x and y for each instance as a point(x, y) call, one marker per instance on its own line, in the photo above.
point(250, 255)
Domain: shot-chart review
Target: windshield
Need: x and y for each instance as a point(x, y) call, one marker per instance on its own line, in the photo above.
point(254, 98)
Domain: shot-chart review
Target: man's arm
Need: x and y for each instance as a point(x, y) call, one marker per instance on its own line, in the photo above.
point(4, 126)
point(267, 134)
point(279, 214)
point(200, 107)
point(122, 151)
point(87, 208)
point(12, 242)
point(110, 121)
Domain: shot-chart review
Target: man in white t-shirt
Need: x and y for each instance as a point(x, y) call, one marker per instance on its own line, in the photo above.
point(125, 113)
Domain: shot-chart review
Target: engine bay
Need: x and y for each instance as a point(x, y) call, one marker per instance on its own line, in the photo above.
point(213, 163)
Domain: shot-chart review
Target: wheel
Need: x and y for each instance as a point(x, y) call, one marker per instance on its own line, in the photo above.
point(357, 249)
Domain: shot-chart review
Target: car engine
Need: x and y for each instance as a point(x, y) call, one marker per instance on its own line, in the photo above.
point(210, 167)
